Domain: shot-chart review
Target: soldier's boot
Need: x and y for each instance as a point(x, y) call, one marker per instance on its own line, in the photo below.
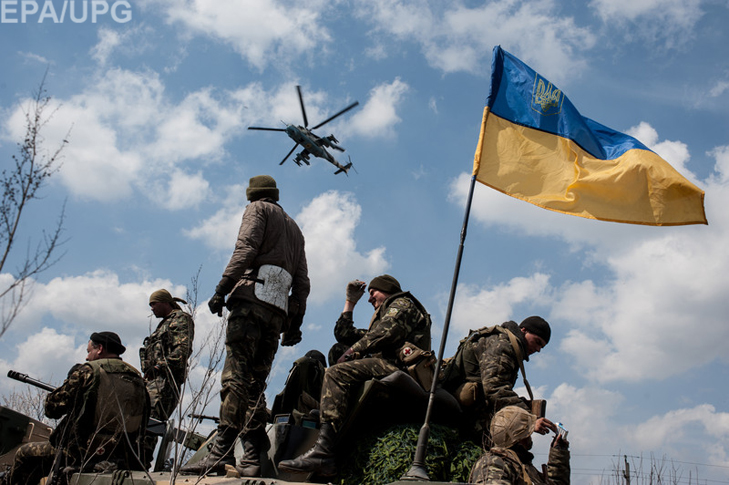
point(220, 455)
point(319, 459)
point(254, 442)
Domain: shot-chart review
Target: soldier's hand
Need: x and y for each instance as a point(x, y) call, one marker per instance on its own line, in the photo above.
point(544, 426)
point(355, 290)
point(216, 304)
point(346, 356)
point(291, 337)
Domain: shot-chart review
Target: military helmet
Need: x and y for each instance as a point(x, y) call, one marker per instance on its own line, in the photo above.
point(511, 425)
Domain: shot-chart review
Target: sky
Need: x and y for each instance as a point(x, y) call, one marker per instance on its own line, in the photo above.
point(155, 96)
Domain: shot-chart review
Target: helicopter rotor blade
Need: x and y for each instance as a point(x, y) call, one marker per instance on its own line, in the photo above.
point(289, 154)
point(265, 129)
point(338, 114)
point(303, 111)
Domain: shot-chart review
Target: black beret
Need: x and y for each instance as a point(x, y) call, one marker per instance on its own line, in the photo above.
point(111, 342)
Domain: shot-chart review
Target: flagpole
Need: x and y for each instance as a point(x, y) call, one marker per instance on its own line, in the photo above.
point(418, 471)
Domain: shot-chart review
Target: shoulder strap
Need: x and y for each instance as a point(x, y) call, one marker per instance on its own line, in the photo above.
point(520, 358)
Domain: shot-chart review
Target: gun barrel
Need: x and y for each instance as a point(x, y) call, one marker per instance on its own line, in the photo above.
point(18, 376)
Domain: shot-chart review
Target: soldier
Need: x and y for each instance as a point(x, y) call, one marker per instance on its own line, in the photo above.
point(483, 372)
point(267, 264)
point(105, 408)
point(398, 318)
point(164, 357)
point(509, 461)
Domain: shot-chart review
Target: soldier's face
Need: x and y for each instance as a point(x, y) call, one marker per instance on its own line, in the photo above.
point(377, 298)
point(160, 309)
point(92, 352)
point(535, 343)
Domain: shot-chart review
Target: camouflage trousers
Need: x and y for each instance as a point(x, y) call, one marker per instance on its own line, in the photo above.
point(164, 395)
point(250, 346)
point(33, 461)
point(342, 381)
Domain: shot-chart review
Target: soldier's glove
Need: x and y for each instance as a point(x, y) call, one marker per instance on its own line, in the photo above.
point(216, 304)
point(291, 337)
point(355, 290)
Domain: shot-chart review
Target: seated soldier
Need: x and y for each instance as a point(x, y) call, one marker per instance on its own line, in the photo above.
point(509, 461)
point(105, 408)
point(399, 318)
point(300, 394)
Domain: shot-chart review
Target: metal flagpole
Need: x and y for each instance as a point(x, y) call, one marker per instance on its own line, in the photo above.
point(418, 470)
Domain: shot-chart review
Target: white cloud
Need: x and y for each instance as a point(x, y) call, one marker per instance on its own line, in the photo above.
point(670, 23)
point(459, 38)
point(473, 303)
point(261, 31)
point(220, 231)
point(108, 40)
point(328, 224)
point(719, 88)
point(378, 117)
point(126, 135)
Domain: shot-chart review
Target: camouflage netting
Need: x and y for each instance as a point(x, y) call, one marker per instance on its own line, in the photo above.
point(385, 457)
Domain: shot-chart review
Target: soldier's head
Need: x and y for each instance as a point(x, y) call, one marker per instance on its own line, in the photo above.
point(104, 345)
point(162, 303)
point(261, 186)
point(381, 288)
point(536, 332)
point(512, 425)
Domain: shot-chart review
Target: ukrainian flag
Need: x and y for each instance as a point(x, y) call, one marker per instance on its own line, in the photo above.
point(535, 146)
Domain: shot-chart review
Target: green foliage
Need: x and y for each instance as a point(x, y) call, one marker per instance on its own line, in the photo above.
point(384, 457)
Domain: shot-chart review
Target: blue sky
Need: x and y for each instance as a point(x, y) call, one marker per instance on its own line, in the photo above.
point(159, 157)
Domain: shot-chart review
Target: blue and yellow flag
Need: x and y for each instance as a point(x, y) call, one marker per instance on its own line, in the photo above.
point(535, 146)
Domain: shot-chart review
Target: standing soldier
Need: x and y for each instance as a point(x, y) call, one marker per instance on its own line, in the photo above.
point(398, 318)
point(104, 407)
point(267, 283)
point(164, 357)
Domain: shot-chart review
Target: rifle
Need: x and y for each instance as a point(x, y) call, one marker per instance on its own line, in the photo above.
point(202, 416)
point(29, 380)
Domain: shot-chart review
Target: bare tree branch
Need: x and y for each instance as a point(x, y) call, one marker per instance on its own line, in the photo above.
point(29, 173)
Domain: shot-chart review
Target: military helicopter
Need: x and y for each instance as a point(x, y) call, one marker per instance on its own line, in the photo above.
point(313, 144)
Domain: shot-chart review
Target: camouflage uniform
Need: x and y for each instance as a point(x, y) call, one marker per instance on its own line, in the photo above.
point(506, 466)
point(267, 236)
point(164, 357)
point(491, 363)
point(401, 318)
point(90, 431)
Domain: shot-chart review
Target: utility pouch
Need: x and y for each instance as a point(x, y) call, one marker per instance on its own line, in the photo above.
point(419, 363)
point(538, 407)
point(467, 393)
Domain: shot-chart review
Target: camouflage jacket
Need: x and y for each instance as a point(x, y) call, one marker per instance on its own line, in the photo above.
point(169, 347)
point(507, 467)
point(86, 420)
point(498, 367)
point(401, 318)
point(267, 236)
